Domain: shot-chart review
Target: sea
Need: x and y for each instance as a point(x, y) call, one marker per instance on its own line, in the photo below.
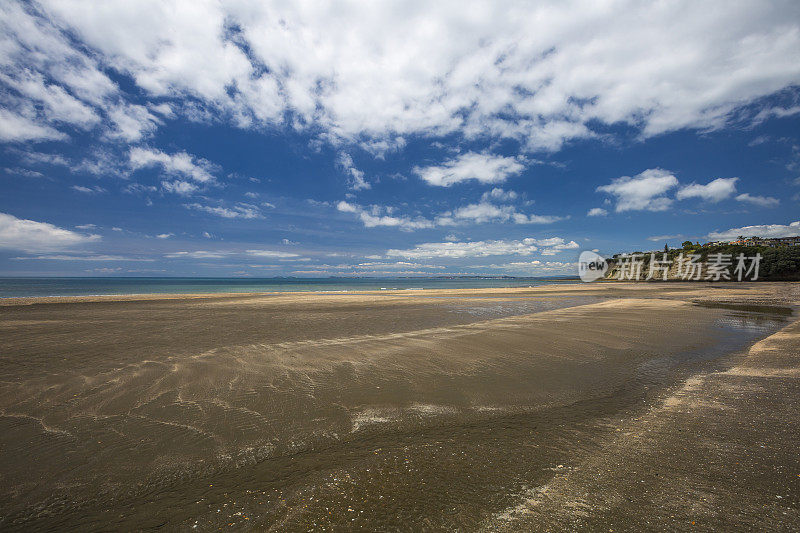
point(91, 286)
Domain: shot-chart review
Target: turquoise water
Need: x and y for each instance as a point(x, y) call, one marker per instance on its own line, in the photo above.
point(20, 287)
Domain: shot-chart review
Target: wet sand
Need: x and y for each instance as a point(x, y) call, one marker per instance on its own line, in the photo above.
point(600, 406)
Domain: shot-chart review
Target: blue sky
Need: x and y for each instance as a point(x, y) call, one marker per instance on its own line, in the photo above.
point(389, 138)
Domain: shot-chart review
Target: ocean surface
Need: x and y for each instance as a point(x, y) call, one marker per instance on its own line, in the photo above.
point(85, 286)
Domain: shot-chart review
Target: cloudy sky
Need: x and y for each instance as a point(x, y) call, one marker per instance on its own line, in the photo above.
point(306, 138)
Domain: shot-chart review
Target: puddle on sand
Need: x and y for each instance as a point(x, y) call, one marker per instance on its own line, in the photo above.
point(738, 327)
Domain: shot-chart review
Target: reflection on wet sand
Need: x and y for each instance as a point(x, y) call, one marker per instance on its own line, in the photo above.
point(381, 412)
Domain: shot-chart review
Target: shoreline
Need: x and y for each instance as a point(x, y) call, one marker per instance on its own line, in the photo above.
point(597, 286)
point(571, 285)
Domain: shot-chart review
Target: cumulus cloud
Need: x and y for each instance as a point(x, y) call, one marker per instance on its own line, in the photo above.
point(540, 73)
point(377, 216)
point(54, 81)
point(483, 167)
point(766, 231)
point(178, 164)
point(596, 212)
point(480, 213)
point(56, 104)
point(32, 236)
point(555, 245)
point(714, 191)
point(16, 128)
point(131, 122)
point(485, 212)
point(760, 201)
point(645, 191)
point(499, 195)
point(481, 248)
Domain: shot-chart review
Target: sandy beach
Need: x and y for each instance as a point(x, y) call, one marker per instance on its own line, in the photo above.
point(556, 407)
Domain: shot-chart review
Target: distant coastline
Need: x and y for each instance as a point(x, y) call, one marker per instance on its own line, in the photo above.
point(19, 287)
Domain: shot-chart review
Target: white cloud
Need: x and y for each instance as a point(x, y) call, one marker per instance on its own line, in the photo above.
point(499, 195)
point(87, 257)
point(765, 231)
point(644, 191)
point(760, 201)
point(537, 267)
point(371, 74)
point(16, 128)
point(376, 216)
point(164, 235)
point(220, 254)
point(24, 172)
point(464, 249)
point(32, 236)
point(714, 191)
point(481, 248)
point(483, 167)
point(357, 181)
point(41, 158)
point(480, 213)
point(88, 190)
point(596, 212)
point(271, 253)
point(163, 109)
point(177, 164)
point(346, 207)
point(779, 112)
point(485, 212)
point(181, 188)
point(391, 266)
point(240, 210)
point(198, 254)
point(131, 122)
point(555, 245)
point(56, 103)
point(656, 238)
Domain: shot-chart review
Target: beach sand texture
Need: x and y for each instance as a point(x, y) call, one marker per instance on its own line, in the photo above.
point(607, 406)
